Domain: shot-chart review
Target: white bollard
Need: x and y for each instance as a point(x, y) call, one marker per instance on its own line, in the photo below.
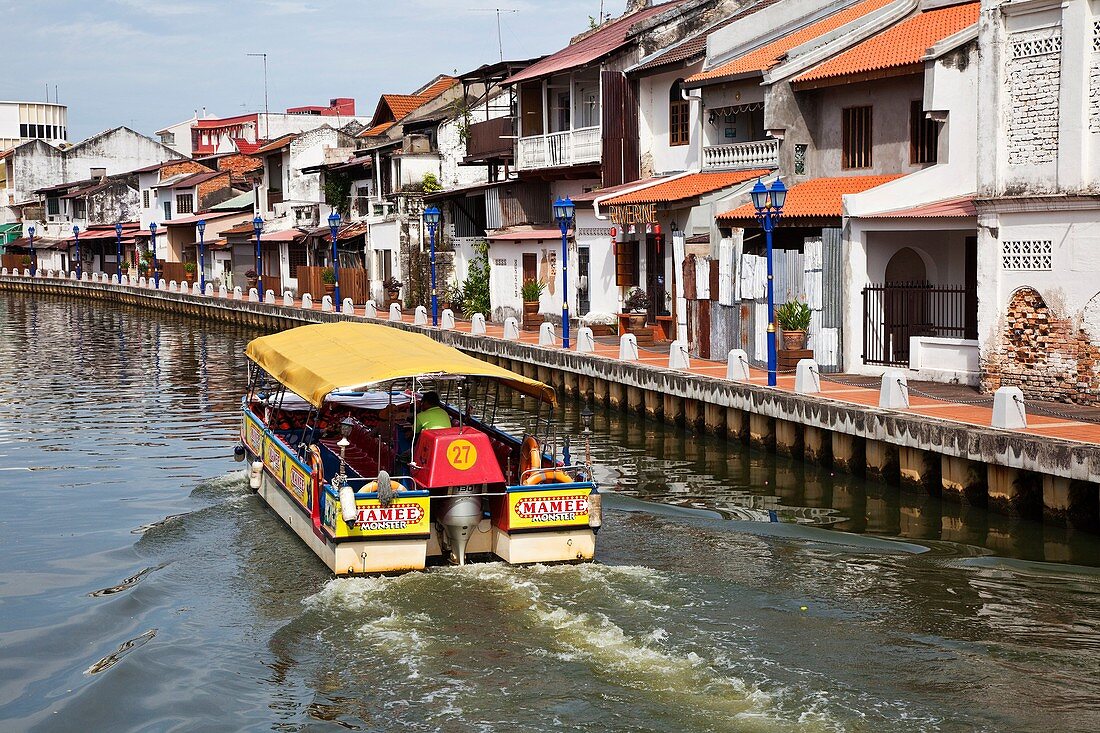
point(269, 297)
point(114, 278)
point(171, 286)
point(288, 299)
point(222, 291)
point(477, 324)
point(209, 290)
point(420, 316)
point(586, 342)
point(370, 310)
point(86, 277)
point(894, 390)
point(72, 274)
point(142, 282)
point(95, 277)
point(124, 280)
point(737, 366)
point(447, 319)
point(678, 355)
point(196, 289)
point(4, 272)
point(546, 334)
point(628, 347)
point(307, 301)
point(253, 295)
point(326, 303)
point(1009, 410)
point(348, 307)
point(38, 273)
point(806, 377)
point(511, 328)
point(395, 312)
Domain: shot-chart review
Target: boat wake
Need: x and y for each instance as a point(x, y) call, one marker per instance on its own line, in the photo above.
point(611, 620)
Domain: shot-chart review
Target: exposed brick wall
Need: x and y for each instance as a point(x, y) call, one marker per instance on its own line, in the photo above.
point(215, 191)
point(1048, 356)
point(184, 166)
point(239, 164)
point(1033, 76)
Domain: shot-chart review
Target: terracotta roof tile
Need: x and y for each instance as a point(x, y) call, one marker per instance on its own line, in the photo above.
point(686, 187)
point(377, 129)
point(818, 197)
point(402, 104)
point(438, 87)
point(769, 55)
point(696, 46)
point(900, 45)
point(593, 46)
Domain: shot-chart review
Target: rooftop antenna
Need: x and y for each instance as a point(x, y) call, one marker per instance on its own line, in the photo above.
point(498, 11)
point(267, 111)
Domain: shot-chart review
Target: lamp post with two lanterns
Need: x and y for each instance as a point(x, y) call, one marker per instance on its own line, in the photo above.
point(564, 211)
point(769, 209)
point(432, 218)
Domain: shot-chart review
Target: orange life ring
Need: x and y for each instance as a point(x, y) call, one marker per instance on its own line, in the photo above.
point(529, 455)
point(548, 475)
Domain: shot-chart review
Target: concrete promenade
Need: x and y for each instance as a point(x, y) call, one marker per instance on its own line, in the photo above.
point(1049, 469)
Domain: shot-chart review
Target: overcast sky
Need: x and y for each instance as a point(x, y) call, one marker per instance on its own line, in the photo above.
point(150, 63)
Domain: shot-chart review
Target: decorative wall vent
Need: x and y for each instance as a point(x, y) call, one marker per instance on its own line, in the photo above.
point(1024, 47)
point(1027, 254)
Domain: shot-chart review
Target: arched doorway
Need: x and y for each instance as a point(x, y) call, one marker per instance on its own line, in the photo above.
point(906, 266)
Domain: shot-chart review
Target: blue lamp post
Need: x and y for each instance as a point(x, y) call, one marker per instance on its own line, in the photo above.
point(79, 265)
point(118, 252)
point(201, 226)
point(432, 218)
point(564, 211)
point(769, 209)
point(334, 230)
point(258, 225)
point(153, 247)
point(34, 260)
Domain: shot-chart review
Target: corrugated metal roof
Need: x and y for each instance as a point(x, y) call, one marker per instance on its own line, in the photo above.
point(589, 196)
point(686, 187)
point(818, 197)
point(525, 233)
point(695, 47)
point(900, 45)
point(959, 207)
point(596, 45)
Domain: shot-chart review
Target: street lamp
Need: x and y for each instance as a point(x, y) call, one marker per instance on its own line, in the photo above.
point(34, 260)
point(769, 208)
point(334, 230)
point(431, 218)
point(118, 251)
point(79, 266)
point(153, 247)
point(564, 210)
point(258, 225)
point(201, 226)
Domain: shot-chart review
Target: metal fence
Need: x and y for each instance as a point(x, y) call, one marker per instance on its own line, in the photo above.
point(895, 312)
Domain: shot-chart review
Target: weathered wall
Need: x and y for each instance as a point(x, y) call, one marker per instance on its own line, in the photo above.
point(1043, 352)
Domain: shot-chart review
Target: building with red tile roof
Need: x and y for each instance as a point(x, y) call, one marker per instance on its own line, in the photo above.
point(392, 108)
point(684, 188)
point(900, 49)
point(818, 198)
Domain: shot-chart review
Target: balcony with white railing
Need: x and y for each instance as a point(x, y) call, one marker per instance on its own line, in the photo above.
point(558, 149)
point(742, 156)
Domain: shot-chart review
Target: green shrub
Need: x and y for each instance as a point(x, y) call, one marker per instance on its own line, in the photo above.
point(794, 315)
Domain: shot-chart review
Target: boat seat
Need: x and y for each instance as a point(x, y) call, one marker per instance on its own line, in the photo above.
point(363, 455)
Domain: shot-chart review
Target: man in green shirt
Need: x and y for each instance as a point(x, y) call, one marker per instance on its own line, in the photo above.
point(431, 415)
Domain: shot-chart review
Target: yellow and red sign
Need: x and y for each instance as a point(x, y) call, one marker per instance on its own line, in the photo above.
point(274, 459)
point(550, 508)
point(461, 454)
point(298, 483)
point(405, 516)
point(252, 433)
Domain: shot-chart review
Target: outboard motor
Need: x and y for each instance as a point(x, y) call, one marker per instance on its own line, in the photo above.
point(460, 517)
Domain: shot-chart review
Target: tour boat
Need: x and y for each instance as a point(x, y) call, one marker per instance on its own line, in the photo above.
point(329, 430)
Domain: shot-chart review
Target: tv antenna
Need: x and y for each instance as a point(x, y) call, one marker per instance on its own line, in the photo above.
point(498, 11)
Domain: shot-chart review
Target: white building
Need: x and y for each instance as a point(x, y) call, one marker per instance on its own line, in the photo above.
point(1038, 208)
point(22, 122)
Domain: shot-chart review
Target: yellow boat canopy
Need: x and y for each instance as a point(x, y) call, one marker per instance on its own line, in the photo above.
point(312, 361)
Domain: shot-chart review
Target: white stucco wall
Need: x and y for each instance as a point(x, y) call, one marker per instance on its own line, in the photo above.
point(659, 156)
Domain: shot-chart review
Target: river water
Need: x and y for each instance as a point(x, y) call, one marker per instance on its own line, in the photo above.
point(144, 588)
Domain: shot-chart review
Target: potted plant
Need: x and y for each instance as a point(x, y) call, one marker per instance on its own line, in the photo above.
point(189, 271)
point(26, 260)
point(794, 319)
point(636, 303)
point(328, 278)
point(531, 291)
point(452, 297)
point(392, 286)
point(252, 277)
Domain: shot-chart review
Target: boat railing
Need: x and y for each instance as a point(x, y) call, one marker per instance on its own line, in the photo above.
point(576, 467)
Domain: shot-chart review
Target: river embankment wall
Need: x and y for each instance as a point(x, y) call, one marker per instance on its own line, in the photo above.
point(1011, 472)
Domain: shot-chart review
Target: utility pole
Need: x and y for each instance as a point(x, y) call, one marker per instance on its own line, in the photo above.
point(267, 110)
